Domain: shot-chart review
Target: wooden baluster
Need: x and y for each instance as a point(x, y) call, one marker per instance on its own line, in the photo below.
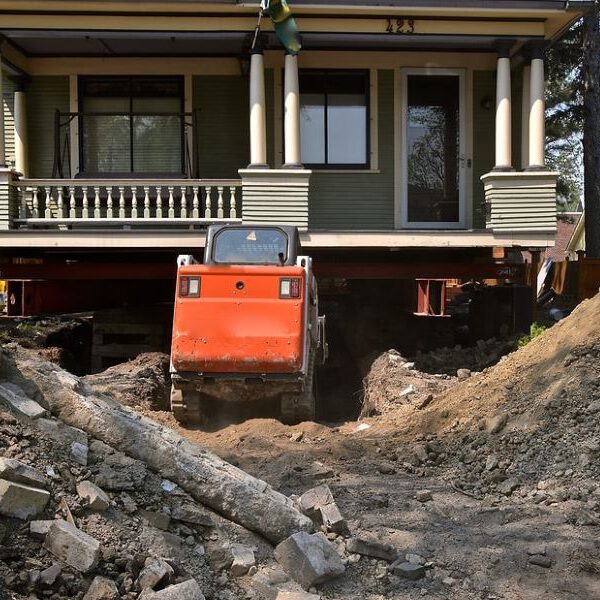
point(220, 211)
point(48, 212)
point(134, 213)
point(61, 203)
point(171, 204)
point(109, 202)
point(159, 214)
point(208, 208)
point(35, 204)
point(146, 203)
point(85, 213)
point(195, 204)
point(232, 203)
point(72, 209)
point(183, 203)
point(121, 202)
point(23, 204)
point(97, 205)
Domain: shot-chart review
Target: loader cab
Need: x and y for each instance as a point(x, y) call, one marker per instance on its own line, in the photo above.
point(271, 245)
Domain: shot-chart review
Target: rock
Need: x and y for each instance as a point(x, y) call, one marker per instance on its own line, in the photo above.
point(129, 505)
point(507, 487)
point(18, 472)
point(425, 402)
point(21, 501)
point(269, 581)
point(102, 588)
point(491, 462)
point(49, 576)
point(243, 559)
point(73, 546)
point(19, 402)
point(407, 570)
point(415, 559)
point(463, 374)
point(320, 471)
point(155, 571)
point(423, 496)
point(192, 513)
point(79, 453)
point(60, 432)
point(540, 561)
point(188, 590)
point(420, 453)
point(496, 424)
point(313, 499)
point(220, 555)
point(297, 596)
point(96, 499)
point(297, 436)
point(309, 558)
point(332, 518)
point(39, 529)
point(159, 520)
point(370, 546)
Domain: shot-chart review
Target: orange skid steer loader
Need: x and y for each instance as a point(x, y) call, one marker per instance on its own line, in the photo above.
point(246, 324)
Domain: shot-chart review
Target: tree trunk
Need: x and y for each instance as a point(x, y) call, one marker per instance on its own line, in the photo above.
point(591, 132)
point(210, 480)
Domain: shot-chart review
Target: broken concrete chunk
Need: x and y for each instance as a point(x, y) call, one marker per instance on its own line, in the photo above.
point(39, 529)
point(220, 555)
point(370, 546)
point(49, 576)
point(540, 561)
point(159, 520)
point(191, 513)
point(155, 571)
point(496, 424)
point(407, 570)
point(313, 499)
point(188, 590)
point(21, 501)
point(60, 432)
point(19, 402)
point(73, 546)
point(95, 497)
point(423, 496)
point(309, 559)
point(79, 453)
point(102, 588)
point(332, 518)
point(18, 472)
point(243, 559)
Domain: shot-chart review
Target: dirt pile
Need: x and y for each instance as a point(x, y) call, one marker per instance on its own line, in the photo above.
point(527, 428)
point(143, 382)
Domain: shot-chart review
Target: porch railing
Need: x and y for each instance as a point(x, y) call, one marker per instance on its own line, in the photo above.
point(53, 202)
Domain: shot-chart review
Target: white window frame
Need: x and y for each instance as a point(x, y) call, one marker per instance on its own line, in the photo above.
point(402, 153)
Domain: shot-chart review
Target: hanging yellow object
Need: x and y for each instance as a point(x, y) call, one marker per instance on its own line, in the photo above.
point(285, 26)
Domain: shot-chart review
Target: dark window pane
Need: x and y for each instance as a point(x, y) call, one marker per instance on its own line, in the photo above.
point(433, 148)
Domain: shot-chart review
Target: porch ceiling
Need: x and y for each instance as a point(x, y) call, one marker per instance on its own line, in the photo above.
point(45, 43)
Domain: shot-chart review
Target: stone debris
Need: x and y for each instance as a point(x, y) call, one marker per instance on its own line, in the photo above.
point(73, 546)
point(49, 576)
point(496, 424)
point(96, 499)
point(79, 453)
point(297, 596)
point(423, 496)
point(318, 504)
point(309, 559)
point(21, 501)
point(192, 513)
point(39, 529)
point(155, 571)
point(368, 545)
point(188, 590)
point(407, 570)
point(102, 588)
point(540, 561)
point(269, 582)
point(160, 520)
point(20, 403)
point(18, 472)
point(243, 559)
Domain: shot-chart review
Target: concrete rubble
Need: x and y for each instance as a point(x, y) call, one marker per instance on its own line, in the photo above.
point(73, 546)
point(21, 501)
point(368, 545)
point(95, 498)
point(102, 588)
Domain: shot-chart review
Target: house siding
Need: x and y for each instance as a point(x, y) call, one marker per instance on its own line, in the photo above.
point(220, 103)
point(8, 90)
point(44, 95)
point(360, 200)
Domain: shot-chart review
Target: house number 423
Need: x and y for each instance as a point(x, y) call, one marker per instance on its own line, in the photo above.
point(400, 25)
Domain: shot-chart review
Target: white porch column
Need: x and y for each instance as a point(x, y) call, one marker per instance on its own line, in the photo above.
point(537, 107)
point(20, 117)
point(2, 143)
point(503, 115)
point(258, 132)
point(292, 112)
point(525, 117)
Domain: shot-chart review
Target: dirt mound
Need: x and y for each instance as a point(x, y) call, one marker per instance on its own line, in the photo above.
point(143, 382)
point(527, 427)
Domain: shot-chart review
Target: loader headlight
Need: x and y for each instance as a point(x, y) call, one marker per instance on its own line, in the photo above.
point(189, 287)
point(289, 287)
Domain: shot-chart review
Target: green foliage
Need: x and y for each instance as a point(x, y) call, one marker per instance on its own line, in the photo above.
point(534, 331)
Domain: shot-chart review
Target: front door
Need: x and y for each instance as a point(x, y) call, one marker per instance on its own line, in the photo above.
point(433, 142)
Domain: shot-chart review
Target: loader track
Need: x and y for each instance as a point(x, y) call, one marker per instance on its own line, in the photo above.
point(186, 407)
point(297, 407)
